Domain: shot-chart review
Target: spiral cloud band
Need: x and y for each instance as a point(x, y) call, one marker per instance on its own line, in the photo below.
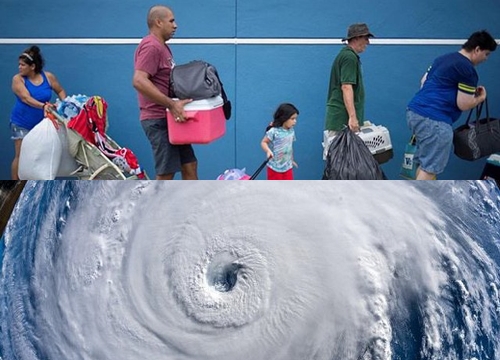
point(251, 270)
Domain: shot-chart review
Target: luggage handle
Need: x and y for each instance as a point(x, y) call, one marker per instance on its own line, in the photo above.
point(257, 172)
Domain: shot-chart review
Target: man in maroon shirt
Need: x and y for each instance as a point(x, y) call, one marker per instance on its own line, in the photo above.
point(153, 63)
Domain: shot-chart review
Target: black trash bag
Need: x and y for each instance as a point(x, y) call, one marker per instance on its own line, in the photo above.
point(350, 159)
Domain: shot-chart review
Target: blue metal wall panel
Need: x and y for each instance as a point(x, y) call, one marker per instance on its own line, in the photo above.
point(111, 18)
point(256, 77)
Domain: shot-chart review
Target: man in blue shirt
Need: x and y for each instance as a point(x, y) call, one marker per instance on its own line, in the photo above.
point(449, 87)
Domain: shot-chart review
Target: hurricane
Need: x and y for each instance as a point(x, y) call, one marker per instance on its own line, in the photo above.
point(218, 270)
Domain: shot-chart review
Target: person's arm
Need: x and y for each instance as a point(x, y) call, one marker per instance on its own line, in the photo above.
point(19, 88)
point(294, 163)
point(56, 86)
point(467, 101)
point(265, 146)
point(348, 96)
point(145, 86)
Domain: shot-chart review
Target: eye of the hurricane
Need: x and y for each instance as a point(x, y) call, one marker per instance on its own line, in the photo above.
point(222, 272)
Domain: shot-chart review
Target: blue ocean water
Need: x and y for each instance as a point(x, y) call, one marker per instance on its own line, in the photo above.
point(225, 270)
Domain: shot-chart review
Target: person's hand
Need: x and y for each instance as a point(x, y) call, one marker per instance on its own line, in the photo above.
point(295, 164)
point(178, 110)
point(481, 92)
point(353, 124)
point(49, 111)
point(269, 154)
point(47, 107)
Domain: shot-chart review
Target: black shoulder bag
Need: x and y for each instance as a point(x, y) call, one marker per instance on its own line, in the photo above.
point(479, 138)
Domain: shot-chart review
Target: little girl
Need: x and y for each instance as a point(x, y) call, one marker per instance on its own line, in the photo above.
point(278, 143)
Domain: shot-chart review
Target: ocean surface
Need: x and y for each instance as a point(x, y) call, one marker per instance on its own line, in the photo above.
point(252, 270)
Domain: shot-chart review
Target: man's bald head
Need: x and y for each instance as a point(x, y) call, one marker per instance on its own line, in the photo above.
point(157, 12)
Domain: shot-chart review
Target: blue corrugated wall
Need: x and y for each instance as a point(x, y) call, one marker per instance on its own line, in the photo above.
point(258, 72)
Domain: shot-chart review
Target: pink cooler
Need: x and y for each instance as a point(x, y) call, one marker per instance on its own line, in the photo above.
point(205, 123)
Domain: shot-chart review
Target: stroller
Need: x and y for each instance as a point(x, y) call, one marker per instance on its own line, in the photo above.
point(99, 157)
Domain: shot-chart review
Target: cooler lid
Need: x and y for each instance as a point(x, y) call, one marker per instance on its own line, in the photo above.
point(204, 104)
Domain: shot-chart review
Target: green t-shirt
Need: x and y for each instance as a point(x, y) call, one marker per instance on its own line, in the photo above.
point(346, 69)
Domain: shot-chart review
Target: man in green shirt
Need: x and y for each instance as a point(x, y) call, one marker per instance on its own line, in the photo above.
point(346, 93)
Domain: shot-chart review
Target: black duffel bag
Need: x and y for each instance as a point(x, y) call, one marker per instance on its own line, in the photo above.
point(198, 80)
point(479, 138)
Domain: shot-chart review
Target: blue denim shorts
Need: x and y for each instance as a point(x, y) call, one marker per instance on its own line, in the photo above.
point(17, 132)
point(434, 142)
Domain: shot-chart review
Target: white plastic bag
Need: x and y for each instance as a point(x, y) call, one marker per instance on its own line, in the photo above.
point(41, 152)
